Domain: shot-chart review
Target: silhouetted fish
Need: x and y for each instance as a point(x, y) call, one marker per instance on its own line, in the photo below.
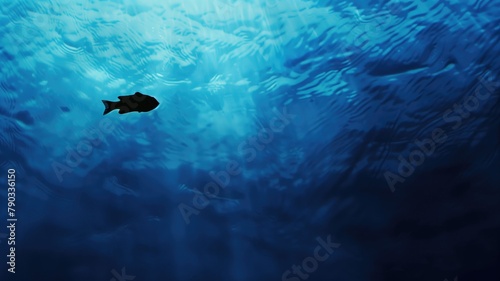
point(137, 102)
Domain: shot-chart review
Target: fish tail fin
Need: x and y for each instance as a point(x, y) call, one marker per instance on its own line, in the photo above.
point(107, 106)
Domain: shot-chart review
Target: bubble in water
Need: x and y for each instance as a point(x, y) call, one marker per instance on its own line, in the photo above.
point(43, 22)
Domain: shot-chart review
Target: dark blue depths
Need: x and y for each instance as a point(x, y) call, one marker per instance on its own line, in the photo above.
point(298, 141)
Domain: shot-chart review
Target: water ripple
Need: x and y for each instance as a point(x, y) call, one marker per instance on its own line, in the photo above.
point(364, 81)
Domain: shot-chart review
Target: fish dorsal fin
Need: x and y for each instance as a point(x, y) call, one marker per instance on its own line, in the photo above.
point(121, 97)
point(138, 94)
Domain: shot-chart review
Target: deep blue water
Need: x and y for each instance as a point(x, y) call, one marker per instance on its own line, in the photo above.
point(283, 126)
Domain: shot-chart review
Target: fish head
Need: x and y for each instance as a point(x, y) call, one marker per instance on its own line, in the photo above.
point(155, 103)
